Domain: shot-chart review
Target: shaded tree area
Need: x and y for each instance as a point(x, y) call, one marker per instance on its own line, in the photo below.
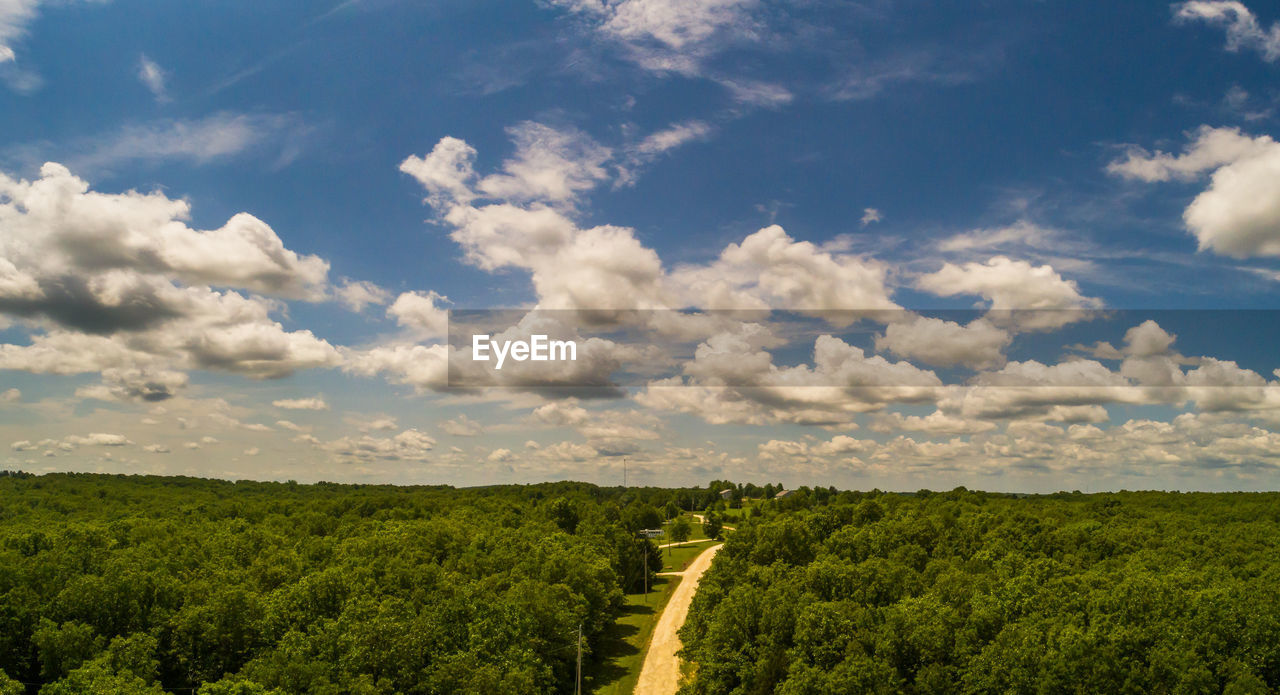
point(113, 584)
point(965, 592)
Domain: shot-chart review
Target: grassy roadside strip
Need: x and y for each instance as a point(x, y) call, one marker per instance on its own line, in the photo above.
point(623, 648)
point(677, 559)
point(625, 645)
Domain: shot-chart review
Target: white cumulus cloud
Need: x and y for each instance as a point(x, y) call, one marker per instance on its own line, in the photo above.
point(1238, 214)
point(119, 281)
point(358, 294)
point(1044, 298)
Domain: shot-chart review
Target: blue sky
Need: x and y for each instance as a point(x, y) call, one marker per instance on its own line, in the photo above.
point(239, 265)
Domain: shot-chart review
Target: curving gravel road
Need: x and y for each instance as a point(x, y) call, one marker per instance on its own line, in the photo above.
point(660, 674)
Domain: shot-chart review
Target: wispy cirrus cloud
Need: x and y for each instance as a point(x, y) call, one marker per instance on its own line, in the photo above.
point(1243, 29)
point(763, 54)
point(673, 37)
point(868, 79)
point(669, 35)
point(198, 141)
point(153, 77)
point(15, 17)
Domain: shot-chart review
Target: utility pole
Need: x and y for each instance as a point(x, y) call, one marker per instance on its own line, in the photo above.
point(624, 471)
point(646, 570)
point(578, 689)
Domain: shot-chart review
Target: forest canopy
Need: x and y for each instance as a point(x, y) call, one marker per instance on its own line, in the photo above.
point(965, 592)
point(120, 585)
point(112, 584)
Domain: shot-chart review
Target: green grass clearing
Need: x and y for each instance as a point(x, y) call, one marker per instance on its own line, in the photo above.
point(621, 652)
point(677, 559)
point(733, 517)
point(695, 528)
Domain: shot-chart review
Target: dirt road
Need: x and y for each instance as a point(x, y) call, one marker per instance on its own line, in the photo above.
point(660, 674)
point(673, 545)
point(703, 519)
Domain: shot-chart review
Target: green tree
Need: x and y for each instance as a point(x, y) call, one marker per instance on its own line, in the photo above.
point(680, 529)
point(9, 686)
point(711, 525)
point(229, 686)
point(97, 677)
point(641, 516)
point(565, 514)
point(135, 654)
point(62, 648)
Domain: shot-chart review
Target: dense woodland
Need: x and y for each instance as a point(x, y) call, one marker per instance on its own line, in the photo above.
point(965, 592)
point(112, 585)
